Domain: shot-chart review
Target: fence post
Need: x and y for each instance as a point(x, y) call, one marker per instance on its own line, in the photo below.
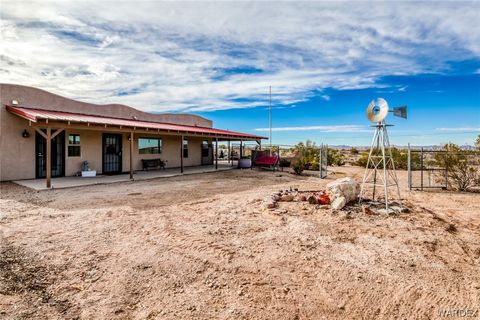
point(446, 169)
point(421, 169)
point(320, 160)
point(409, 168)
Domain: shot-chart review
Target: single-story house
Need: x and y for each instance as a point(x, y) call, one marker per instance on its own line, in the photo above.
point(43, 135)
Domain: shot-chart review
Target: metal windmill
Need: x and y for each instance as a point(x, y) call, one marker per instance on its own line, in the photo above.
point(380, 170)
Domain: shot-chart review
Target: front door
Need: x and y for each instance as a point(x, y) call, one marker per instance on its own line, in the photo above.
point(207, 154)
point(57, 155)
point(112, 153)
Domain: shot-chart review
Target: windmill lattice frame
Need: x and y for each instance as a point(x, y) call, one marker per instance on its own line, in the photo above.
point(380, 171)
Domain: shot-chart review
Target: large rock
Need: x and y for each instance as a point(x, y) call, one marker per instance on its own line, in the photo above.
point(342, 191)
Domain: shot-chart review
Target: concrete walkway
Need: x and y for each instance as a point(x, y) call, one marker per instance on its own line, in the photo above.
point(69, 182)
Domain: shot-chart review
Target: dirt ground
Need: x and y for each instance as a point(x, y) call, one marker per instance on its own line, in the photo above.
point(204, 247)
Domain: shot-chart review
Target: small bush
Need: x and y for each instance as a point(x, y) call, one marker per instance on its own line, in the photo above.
point(335, 158)
point(299, 166)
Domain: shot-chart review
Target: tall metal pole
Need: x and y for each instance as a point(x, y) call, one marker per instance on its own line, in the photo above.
point(376, 155)
point(385, 179)
point(421, 169)
point(393, 171)
point(366, 175)
point(320, 161)
point(270, 120)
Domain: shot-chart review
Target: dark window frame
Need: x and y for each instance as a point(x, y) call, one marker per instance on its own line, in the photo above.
point(76, 139)
point(185, 148)
point(74, 147)
point(159, 145)
point(205, 148)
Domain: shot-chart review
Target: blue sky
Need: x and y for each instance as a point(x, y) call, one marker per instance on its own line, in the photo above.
point(324, 60)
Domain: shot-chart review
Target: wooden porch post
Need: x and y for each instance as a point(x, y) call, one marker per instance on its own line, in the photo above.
point(181, 155)
point(49, 158)
point(216, 153)
point(49, 137)
point(131, 155)
point(228, 155)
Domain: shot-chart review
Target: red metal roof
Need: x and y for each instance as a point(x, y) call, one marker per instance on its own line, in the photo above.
point(38, 114)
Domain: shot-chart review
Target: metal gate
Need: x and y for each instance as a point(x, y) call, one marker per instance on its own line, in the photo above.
point(323, 161)
point(434, 169)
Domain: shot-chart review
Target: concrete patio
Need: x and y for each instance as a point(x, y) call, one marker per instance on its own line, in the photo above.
point(69, 182)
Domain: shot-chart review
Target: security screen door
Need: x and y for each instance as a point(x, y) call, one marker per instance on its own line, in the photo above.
point(112, 153)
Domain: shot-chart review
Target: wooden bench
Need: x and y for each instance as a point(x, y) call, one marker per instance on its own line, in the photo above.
point(153, 163)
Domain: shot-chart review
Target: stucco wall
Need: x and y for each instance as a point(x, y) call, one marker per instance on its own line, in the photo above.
point(17, 154)
point(19, 160)
point(90, 150)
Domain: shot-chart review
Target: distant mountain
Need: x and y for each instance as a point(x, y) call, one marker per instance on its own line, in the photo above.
point(426, 147)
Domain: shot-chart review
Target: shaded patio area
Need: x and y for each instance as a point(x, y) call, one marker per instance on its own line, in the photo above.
point(69, 182)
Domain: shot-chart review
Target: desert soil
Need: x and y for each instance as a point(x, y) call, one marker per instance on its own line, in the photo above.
point(204, 247)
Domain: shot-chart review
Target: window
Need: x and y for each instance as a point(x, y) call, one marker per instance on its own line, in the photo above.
point(74, 145)
point(149, 145)
point(205, 149)
point(185, 148)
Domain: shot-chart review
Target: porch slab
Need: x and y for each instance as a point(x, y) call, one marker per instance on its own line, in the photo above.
point(70, 182)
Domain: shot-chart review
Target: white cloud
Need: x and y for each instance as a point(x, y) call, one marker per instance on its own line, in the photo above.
point(326, 97)
point(336, 128)
point(459, 129)
point(167, 56)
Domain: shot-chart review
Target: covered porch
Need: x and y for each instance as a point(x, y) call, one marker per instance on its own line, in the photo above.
point(182, 146)
point(71, 182)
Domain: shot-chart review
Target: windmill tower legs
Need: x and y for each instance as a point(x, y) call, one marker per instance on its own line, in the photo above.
point(380, 169)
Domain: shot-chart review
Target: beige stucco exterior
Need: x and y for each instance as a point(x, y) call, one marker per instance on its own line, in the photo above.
point(91, 151)
point(17, 153)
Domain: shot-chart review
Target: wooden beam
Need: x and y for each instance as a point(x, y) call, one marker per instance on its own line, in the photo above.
point(49, 158)
point(181, 154)
point(57, 133)
point(131, 155)
point(216, 153)
point(228, 156)
point(40, 132)
point(101, 128)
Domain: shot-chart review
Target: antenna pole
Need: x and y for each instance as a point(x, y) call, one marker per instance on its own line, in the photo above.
point(270, 119)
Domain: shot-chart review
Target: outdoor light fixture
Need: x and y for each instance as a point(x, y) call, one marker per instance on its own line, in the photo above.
point(15, 102)
point(25, 133)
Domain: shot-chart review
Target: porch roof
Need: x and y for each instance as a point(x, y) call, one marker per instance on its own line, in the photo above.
point(35, 115)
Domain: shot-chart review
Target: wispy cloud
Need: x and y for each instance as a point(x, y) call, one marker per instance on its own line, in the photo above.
point(168, 56)
point(459, 129)
point(336, 128)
